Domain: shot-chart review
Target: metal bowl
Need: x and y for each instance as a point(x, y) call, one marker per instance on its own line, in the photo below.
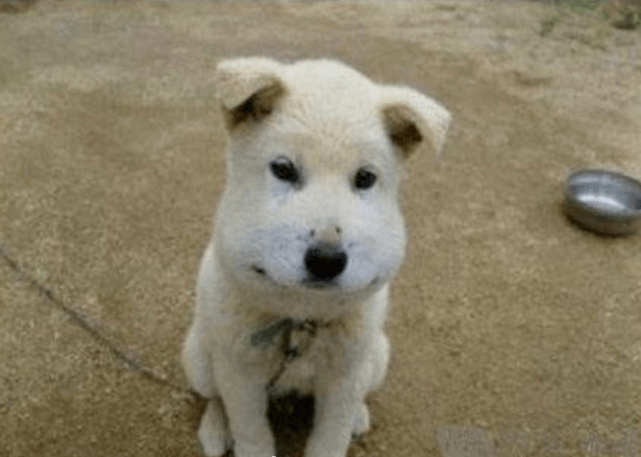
point(603, 201)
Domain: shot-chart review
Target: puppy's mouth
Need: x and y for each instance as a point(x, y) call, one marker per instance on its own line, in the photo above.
point(260, 271)
point(319, 284)
point(311, 283)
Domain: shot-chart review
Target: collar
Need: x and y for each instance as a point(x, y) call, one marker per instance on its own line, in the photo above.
point(297, 337)
point(265, 337)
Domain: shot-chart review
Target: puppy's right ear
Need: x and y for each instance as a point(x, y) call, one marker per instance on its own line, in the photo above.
point(248, 88)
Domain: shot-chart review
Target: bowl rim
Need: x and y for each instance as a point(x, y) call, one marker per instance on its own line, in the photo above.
point(629, 180)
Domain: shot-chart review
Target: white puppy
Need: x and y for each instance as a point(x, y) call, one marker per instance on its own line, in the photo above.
point(293, 289)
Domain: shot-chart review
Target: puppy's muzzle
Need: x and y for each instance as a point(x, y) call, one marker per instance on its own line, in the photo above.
point(324, 262)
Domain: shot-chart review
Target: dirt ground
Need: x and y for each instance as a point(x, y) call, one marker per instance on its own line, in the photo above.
point(514, 333)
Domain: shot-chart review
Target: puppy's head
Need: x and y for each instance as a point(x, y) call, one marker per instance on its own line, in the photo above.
point(313, 169)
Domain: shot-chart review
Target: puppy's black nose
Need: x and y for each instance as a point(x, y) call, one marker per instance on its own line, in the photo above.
point(325, 261)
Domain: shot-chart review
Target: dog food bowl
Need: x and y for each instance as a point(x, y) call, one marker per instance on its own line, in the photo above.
point(603, 201)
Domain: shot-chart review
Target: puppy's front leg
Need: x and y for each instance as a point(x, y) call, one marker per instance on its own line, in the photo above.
point(246, 404)
point(339, 409)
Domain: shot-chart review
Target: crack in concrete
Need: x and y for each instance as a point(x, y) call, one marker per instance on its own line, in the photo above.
point(76, 317)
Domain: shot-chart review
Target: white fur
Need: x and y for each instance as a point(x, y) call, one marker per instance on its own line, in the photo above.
point(330, 121)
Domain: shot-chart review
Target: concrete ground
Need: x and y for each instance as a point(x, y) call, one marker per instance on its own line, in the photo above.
point(514, 332)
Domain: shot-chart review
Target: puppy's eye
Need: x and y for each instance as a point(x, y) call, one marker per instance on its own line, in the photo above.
point(364, 179)
point(284, 169)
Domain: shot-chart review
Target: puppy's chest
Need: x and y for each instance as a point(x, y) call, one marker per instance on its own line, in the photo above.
point(307, 359)
point(296, 355)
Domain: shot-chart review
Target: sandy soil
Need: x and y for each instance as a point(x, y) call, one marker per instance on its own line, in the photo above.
point(514, 332)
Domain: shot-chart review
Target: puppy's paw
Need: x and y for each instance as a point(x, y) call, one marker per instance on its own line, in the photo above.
point(361, 423)
point(213, 443)
point(213, 433)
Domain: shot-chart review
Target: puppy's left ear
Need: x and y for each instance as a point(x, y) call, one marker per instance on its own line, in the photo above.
point(411, 118)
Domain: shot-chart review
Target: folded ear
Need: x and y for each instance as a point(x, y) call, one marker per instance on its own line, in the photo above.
point(248, 88)
point(412, 118)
